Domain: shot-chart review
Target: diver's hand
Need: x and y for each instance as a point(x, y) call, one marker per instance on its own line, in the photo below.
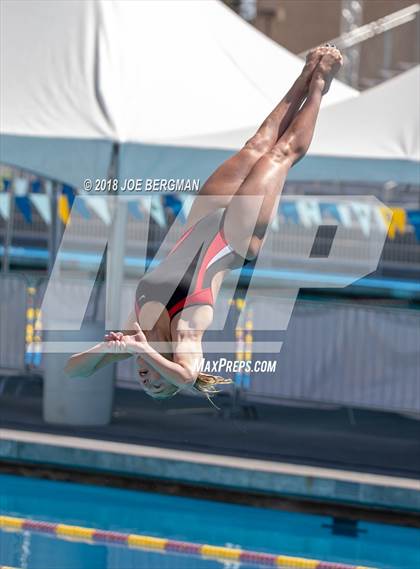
point(111, 336)
point(119, 343)
point(115, 347)
point(113, 343)
point(135, 343)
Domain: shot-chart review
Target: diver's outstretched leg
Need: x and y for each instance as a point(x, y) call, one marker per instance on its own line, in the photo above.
point(226, 180)
point(246, 220)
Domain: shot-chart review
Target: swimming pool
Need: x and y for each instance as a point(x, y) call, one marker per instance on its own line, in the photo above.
point(184, 519)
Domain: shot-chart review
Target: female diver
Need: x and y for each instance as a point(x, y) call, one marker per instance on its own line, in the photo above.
point(228, 235)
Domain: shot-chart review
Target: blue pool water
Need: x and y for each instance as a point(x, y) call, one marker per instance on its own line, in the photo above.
point(377, 545)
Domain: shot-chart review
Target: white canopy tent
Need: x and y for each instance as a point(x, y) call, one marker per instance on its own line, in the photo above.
point(382, 123)
point(378, 135)
point(78, 76)
point(372, 138)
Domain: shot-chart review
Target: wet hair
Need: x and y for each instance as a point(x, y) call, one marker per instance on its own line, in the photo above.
point(205, 383)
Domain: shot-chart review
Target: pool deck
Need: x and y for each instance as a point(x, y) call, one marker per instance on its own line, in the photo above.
point(205, 469)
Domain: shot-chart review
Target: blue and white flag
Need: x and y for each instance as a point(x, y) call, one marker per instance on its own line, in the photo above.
point(363, 213)
point(288, 211)
point(42, 204)
point(99, 205)
point(21, 187)
point(134, 209)
point(309, 212)
point(153, 207)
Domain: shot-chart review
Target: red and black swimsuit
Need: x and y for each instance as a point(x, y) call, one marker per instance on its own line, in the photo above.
point(185, 276)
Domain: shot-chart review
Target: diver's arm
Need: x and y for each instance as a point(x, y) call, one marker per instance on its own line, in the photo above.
point(179, 373)
point(87, 362)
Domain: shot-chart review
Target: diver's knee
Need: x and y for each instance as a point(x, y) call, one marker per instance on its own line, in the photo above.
point(259, 143)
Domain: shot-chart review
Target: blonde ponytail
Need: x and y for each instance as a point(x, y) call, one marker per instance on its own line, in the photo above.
point(207, 383)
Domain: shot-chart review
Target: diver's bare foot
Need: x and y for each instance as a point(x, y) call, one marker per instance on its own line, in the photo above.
point(327, 68)
point(312, 59)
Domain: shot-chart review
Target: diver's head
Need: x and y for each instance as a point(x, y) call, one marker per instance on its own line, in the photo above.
point(153, 383)
point(160, 388)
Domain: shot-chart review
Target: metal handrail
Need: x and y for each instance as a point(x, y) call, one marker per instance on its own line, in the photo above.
point(375, 28)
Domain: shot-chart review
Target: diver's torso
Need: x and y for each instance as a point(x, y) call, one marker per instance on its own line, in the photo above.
point(191, 275)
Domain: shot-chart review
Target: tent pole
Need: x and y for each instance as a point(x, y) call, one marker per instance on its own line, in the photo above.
point(116, 250)
point(9, 230)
